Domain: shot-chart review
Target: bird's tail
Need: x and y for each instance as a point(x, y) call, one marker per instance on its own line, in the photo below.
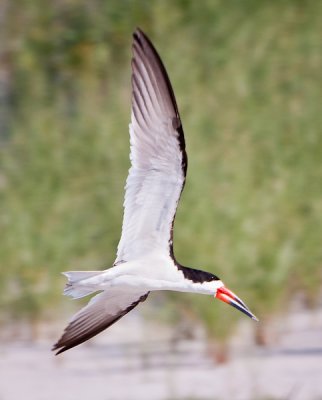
point(76, 287)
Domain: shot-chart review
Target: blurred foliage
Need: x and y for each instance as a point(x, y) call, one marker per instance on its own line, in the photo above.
point(247, 76)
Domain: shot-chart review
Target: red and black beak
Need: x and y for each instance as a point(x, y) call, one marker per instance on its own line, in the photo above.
point(229, 297)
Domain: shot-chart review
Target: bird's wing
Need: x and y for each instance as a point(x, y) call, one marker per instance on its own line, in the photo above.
point(158, 157)
point(102, 311)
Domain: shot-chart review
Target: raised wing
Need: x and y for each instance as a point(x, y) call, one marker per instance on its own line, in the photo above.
point(159, 161)
point(101, 312)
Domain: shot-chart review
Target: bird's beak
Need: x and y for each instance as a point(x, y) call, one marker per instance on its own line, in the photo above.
point(229, 297)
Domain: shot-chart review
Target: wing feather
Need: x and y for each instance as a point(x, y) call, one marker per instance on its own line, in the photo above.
point(101, 312)
point(158, 157)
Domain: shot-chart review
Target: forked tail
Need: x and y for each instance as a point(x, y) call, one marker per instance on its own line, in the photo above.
point(75, 287)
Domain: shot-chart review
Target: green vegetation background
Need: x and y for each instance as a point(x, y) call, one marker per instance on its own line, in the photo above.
point(247, 76)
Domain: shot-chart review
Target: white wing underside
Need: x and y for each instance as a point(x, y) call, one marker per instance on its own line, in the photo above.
point(158, 158)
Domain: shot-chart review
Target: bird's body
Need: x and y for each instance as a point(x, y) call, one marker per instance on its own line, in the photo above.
point(145, 259)
point(150, 273)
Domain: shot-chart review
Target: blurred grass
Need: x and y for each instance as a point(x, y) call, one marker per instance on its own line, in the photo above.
point(247, 76)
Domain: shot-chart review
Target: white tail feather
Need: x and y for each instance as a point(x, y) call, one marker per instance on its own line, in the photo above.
point(73, 287)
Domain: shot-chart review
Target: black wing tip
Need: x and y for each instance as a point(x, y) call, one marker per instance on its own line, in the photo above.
point(138, 34)
point(59, 351)
point(59, 348)
point(141, 40)
point(64, 344)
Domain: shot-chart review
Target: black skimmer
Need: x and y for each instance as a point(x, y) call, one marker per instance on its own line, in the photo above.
point(145, 260)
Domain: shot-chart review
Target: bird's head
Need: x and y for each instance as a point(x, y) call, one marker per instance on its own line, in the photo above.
point(226, 295)
point(211, 284)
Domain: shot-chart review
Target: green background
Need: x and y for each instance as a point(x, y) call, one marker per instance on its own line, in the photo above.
point(248, 82)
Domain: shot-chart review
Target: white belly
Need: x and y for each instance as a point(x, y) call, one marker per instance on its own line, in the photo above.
point(153, 272)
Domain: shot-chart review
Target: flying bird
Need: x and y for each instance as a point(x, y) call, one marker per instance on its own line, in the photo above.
point(145, 259)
